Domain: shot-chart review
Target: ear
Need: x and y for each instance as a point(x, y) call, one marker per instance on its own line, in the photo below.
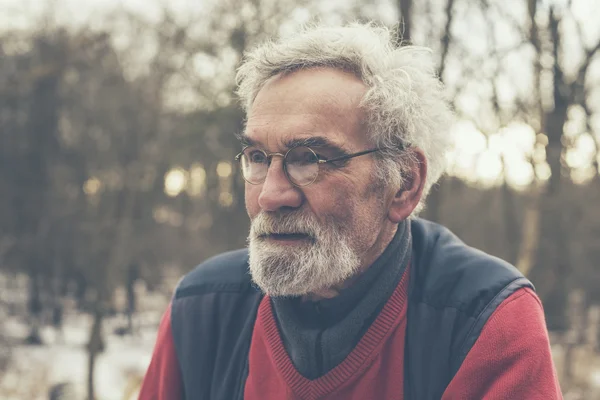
point(408, 196)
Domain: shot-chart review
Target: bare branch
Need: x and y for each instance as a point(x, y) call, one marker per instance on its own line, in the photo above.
point(446, 38)
point(588, 115)
point(560, 92)
point(513, 22)
point(590, 53)
point(405, 8)
point(534, 39)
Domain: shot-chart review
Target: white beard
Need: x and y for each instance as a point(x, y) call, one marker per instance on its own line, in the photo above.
point(296, 270)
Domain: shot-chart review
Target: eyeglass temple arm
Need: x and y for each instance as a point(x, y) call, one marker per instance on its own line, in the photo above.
point(348, 156)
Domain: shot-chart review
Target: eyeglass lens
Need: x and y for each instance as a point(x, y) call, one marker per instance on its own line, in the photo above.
point(301, 165)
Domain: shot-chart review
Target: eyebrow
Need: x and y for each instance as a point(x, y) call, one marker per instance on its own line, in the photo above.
point(312, 142)
point(244, 139)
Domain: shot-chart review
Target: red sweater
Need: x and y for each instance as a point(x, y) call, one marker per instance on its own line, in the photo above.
point(510, 360)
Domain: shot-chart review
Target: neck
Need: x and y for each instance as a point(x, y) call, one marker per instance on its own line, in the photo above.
point(381, 243)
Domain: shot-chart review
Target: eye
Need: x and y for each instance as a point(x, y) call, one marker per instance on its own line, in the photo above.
point(302, 156)
point(255, 156)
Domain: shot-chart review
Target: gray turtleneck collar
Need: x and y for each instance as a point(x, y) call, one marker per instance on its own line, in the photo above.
point(319, 335)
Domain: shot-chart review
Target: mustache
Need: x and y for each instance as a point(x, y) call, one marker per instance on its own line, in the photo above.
point(265, 224)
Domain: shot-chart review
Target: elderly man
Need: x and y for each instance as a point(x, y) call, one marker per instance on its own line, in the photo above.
point(343, 293)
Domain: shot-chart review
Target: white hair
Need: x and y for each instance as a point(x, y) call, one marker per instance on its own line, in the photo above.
point(405, 102)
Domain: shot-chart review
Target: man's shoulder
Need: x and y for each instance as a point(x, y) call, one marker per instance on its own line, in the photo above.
point(226, 272)
point(450, 273)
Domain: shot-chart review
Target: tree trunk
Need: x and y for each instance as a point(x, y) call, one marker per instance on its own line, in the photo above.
point(35, 308)
point(512, 228)
point(95, 346)
point(530, 236)
point(436, 195)
point(551, 266)
point(132, 277)
point(90, 382)
point(405, 8)
point(433, 211)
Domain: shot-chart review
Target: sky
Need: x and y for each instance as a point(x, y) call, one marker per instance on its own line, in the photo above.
point(476, 158)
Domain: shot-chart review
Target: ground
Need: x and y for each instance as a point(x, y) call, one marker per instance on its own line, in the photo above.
point(119, 369)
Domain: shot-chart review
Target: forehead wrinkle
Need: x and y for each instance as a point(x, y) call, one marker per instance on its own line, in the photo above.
point(285, 107)
point(344, 105)
point(288, 129)
point(339, 104)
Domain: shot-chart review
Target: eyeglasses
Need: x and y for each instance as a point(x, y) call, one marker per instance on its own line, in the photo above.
point(300, 164)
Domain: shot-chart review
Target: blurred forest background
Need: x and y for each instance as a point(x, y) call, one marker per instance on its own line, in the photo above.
point(117, 172)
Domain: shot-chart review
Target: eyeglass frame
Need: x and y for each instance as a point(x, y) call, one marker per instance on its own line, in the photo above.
point(269, 157)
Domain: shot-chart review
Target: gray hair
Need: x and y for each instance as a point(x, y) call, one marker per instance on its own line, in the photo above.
point(405, 103)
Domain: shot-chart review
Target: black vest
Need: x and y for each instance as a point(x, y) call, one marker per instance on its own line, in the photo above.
point(453, 290)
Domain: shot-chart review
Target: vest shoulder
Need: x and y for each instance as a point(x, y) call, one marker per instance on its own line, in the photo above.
point(450, 273)
point(226, 272)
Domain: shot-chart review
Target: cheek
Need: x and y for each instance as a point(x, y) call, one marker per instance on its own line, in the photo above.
point(362, 211)
point(251, 193)
point(338, 205)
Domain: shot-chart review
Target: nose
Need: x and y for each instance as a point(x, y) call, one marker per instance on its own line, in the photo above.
point(277, 191)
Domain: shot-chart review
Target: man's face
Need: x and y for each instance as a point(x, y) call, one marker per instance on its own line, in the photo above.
point(304, 240)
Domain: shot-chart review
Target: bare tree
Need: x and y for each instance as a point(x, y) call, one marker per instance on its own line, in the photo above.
point(552, 256)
